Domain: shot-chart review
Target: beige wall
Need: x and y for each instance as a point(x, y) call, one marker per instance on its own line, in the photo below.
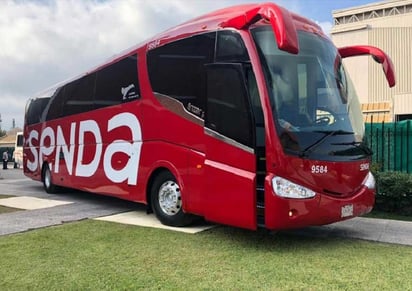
point(356, 66)
point(372, 25)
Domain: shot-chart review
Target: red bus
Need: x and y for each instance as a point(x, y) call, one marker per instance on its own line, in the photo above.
point(244, 116)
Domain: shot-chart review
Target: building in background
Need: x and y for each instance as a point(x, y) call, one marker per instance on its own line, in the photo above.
point(387, 25)
point(8, 142)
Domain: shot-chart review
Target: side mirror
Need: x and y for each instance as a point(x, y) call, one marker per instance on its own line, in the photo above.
point(377, 54)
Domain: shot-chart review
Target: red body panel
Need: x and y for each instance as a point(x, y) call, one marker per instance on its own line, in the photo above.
point(342, 179)
point(230, 180)
point(324, 208)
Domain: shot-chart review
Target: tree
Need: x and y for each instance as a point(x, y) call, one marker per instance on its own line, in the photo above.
point(2, 132)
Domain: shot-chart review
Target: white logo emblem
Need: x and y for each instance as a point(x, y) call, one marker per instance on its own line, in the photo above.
point(129, 92)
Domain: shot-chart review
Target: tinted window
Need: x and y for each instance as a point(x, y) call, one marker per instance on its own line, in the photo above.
point(19, 141)
point(55, 107)
point(117, 83)
point(112, 85)
point(228, 109)
point(177, 70)
point(230, 47)
point(35, 109)
point(78, 95)
point(73, 98)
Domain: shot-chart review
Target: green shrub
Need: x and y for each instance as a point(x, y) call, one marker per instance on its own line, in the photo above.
point(394, 192)
point(375, 167)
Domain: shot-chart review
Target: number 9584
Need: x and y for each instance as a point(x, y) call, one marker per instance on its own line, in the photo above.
point(319, 169)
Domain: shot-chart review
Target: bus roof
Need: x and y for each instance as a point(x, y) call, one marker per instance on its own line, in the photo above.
point(235, 16)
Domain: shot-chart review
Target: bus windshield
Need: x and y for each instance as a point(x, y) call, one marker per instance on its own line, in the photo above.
point(315, 107)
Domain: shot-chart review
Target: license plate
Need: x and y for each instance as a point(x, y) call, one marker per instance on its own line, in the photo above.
point(347, 210)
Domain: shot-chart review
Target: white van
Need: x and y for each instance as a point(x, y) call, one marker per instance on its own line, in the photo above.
point(18, 150)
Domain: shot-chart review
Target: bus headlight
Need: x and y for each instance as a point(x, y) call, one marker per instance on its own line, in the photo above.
point(369, 181)
point(288, 189)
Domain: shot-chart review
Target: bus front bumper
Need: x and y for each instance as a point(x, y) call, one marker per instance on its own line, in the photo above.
point(286, 213)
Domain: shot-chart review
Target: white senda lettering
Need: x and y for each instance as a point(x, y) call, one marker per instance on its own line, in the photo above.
point(32, 165)
point(54, 143)
point(364, 167)
point(46, 151)
point(129, 172)
point(88, 170)
point(62, 146)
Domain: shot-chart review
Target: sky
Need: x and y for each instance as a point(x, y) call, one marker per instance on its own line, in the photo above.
point(43, 42)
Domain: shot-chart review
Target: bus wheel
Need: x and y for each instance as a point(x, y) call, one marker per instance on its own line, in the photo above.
point(167, 201)
point(48, 185)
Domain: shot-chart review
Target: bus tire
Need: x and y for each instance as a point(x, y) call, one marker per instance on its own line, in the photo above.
point(48, 185)
point(166, 201)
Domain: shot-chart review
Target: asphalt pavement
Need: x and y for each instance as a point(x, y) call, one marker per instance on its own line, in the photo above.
point(83, 206)
point(89, 206)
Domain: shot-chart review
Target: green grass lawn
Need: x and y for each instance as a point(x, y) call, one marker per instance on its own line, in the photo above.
point(96, 255)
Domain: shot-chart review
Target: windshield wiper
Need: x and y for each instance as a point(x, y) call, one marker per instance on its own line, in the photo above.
point(327, 133)
point(358, 144)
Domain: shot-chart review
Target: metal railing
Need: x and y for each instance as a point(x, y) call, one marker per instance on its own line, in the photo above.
point(391, 143)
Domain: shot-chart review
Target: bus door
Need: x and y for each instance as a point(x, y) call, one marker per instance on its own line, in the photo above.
point(230, 162)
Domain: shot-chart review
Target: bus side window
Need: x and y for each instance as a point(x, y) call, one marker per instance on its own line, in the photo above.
point(117, 83)
point(35, 109)
point(228, 109)
point(78, 95)
point(176, 70)
point(55, 107)
point(230, 47)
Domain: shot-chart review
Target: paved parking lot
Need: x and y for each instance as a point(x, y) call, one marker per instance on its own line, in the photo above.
point(83, 206)
point(45, 209)
point(76, 206)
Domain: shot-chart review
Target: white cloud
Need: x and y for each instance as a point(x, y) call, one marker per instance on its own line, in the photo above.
point(46, 41)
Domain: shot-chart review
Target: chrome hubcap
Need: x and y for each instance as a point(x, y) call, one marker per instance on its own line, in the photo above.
point(169, 198)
